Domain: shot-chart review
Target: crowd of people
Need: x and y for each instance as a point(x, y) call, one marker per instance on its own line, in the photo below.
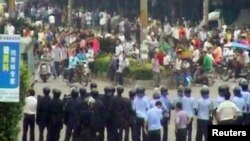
point(87, 114)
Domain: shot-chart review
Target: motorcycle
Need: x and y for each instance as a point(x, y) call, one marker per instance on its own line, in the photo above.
point(229, 74)
point(200, 77)
point(81, 74)
point(44, 72)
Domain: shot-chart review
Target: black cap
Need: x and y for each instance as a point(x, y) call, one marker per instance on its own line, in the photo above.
point(204, 90)
point(237, 89)
point(94, 93)
point(46, 90)
point(106, 90)
point(132, 93)
point(140, 89)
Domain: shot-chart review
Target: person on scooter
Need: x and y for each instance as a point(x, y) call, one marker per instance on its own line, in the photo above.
point(73, 61)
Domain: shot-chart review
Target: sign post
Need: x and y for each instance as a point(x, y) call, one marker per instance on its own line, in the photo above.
point(9, 68)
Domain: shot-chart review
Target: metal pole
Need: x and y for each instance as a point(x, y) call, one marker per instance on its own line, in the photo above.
point(205, 11)
point(11, 8)
point(70, 3)
point(143, 17)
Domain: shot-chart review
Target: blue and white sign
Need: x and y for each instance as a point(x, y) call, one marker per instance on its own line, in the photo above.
point(9, 68)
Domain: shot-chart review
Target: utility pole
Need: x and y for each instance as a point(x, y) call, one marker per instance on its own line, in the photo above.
point(70, 3)
point(11, 8)
point(205, 11)
point(143, 17)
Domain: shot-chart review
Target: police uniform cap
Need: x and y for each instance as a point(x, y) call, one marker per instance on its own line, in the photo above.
point(94, 91)
point(132, 93)
point(139, 89)
point(180, 89)
point(46, 90)
point(106, 89)
point(244, 83)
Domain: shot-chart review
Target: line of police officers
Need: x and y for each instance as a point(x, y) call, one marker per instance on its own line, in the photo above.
point(87, 115)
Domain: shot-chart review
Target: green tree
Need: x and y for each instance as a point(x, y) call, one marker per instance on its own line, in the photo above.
point(11, 113)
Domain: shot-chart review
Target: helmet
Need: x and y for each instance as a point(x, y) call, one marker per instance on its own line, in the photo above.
point(74, 92)
point(242, 80)
point(106, 90)
point(156, 95)
point(93, 85)
point(56, 92)
point(140, 90)
point(82, 91)
point(94, 93)
point(164, 89)
point(120, 89)
point(244, 86)
point(237, 90)
point(132, 93)
point(46, 90)
point(204, 90)
point(187, 90)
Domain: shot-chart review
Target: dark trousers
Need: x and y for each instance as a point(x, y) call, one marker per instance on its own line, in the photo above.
point(239, 120)
point(54, 133)
point(41, 132)
point(154, 135)
point(181, 134)
point(28, 122)
point(110, 133)
point(100, 135)
point(57, 68)
point(118, 134)
point(246, 118)
point(139, 126)
point(202, 129)
point(119, 78)
point(189, 130)
point(165, 128)
point(70, 75)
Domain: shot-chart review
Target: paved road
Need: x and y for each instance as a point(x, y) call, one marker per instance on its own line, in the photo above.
point(59, 83)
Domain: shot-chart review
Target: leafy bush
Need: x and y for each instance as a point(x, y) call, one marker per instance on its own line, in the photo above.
point(101, 64)
point(107, 45)
point(11, 113)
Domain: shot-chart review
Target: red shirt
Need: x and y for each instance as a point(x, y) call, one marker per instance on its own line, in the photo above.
point(160, 57)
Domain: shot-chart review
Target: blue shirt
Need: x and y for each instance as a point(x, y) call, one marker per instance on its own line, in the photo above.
point(166, 101)
point(154, 116)
point(188, 105)
point(204, 108)
point(178, 99)
point(239, 102)
point(81, 56)
point(73, 60)
point(218, 101)
point(140, 106)
point(245, 96)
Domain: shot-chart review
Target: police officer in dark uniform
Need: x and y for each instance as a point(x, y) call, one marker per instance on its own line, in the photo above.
point(56, 116)
point(43, 110)
point(79, 131)
point(130, 116)
point(72, 110)
point(245, 95)
point(118, 112)
point(107, 98)
point(97, 120)
point(238, 100)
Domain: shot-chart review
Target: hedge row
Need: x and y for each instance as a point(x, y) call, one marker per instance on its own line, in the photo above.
point(136, 70)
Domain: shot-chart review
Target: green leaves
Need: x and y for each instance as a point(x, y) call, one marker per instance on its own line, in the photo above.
point(11, 113)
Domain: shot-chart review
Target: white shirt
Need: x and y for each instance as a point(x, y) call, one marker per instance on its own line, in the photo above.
point(90, 55)
point(246, 57)
point(196, 55)
point(227, 110)
point(52, 19)
point(118, 52)
point(10, 30)
point(166, 60)
point(30, 105)
point(207, 45)
point(178, 64)
point(103, 18)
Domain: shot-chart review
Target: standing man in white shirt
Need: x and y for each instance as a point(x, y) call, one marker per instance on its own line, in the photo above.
point(29, 115)
point(153, 122)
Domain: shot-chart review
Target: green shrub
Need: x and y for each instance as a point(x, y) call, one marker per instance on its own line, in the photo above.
point(101, 64)
point(107, 45)
point(11, 113)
